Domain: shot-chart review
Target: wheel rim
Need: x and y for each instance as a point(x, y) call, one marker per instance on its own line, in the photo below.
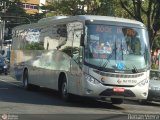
point(64, 90)
point(25, 81)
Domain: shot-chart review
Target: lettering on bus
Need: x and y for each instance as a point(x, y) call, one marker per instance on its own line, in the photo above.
point(101, 28)
point(119, 30)
point(108, 29)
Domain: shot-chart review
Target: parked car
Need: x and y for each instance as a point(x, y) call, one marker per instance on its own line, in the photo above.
point(154, 87)
point(4, 65)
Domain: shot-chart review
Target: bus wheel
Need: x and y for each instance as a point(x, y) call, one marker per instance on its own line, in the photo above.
point(6, 73)
point(64, 92)
point(116, 100)
point(26, 84)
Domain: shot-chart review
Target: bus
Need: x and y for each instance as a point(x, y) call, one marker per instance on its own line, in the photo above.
point(86, 55)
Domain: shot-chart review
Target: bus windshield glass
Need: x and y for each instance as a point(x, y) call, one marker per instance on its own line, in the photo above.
point(117, 47)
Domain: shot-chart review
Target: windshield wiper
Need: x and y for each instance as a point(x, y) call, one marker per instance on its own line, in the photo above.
point(134, 70)
point(110, 56)
point(107, 60)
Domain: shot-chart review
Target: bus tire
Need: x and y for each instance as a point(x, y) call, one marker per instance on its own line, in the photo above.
point(64, 91)
point(25, 80)
point(6, 73)
point(116, 100)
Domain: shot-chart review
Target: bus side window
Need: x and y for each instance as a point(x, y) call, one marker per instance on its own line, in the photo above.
point(65, 40)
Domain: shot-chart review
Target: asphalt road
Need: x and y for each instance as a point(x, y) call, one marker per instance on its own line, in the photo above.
point(44, 104)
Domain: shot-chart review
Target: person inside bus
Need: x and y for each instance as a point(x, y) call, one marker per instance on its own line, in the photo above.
point(136, 46)
point(133, 43)
point(93, 47)
point(108, 48)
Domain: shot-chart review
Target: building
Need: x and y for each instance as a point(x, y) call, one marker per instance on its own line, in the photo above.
point(32, 6)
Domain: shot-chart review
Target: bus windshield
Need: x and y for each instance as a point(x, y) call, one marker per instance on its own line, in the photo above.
point(117, 47)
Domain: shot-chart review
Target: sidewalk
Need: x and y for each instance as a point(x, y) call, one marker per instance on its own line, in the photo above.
point(8, 79)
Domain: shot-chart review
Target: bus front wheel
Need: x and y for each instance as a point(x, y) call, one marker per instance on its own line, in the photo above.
point(116, 100)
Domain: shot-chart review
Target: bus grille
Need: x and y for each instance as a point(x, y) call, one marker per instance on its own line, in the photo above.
point(109, 92)
point(119, 75)
point(118, 85)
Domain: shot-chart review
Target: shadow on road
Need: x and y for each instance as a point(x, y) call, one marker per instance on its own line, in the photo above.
point(155, 104)
point(134, 102)
point(77, 101)
point(45, 96)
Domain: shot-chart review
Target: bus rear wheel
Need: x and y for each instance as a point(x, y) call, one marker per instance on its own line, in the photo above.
point(25, 80)
point(64, 91)
point(116, 100)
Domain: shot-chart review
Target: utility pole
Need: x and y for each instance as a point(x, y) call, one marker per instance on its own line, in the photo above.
point(2, 29)
point(2, 24)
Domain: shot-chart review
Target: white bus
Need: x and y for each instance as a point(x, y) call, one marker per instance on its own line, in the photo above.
point(85, 55)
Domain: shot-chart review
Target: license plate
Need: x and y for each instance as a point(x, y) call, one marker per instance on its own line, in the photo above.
point(116, 89)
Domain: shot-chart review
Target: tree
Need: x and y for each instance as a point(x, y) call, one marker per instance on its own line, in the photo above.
point(145, 11)
point(13, 14)
point(80, 7)
point(156, 43)
point(64, 7)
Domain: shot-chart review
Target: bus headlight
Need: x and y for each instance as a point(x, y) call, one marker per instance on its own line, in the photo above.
point(5, 66)
point(143, 82)
point(91, 79)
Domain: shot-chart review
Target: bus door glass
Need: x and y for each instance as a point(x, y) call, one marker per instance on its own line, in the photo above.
point(76, 30)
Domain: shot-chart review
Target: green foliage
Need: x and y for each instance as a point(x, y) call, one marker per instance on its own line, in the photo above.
point(34, 46)
point(156, 43)
point(79, 7)
point(154, 66)
point(15, 10)
point(12, 8)
point(119, 11)
point(70, 50)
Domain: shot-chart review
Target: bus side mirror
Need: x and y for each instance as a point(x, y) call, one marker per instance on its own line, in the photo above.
point(82, 40)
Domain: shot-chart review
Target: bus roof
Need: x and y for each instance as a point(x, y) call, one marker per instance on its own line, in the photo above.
point(108, 18)
point(80, 18)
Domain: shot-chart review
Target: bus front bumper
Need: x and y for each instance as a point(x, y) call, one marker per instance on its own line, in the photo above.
point(102, 91)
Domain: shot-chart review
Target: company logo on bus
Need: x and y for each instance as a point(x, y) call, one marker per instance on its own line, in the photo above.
point(119, 81)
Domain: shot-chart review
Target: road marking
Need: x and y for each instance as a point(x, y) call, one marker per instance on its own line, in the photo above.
point(10, 83)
